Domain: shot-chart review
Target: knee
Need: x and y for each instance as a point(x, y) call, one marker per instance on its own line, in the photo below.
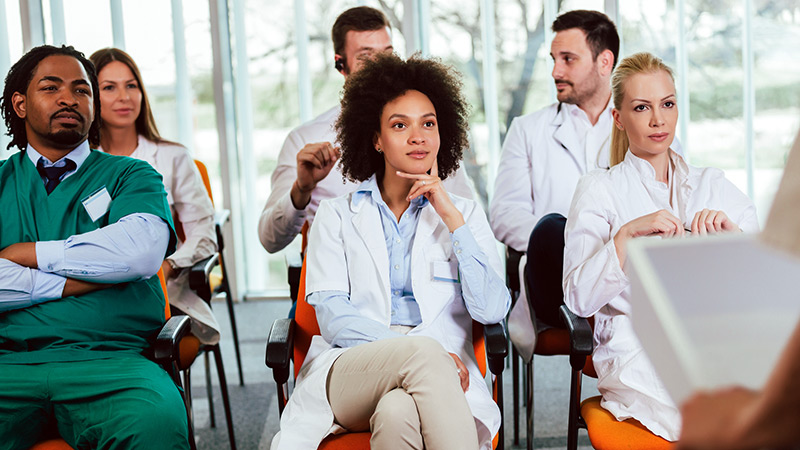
point(162, 424)
point(547, 238)
point(394, 408)
point(427, 354)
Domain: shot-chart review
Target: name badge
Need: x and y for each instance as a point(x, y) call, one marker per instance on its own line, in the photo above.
point(445, 271)
point(97, 204)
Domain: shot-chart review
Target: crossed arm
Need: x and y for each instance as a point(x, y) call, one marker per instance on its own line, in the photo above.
point(130, 249)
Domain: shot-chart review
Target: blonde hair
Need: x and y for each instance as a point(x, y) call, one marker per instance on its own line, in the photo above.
point(633, 65)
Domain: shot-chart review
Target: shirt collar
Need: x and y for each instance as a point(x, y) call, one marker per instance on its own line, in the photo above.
point(646, 170)
point(577, 114)
point(78, 155)
point(370, 188)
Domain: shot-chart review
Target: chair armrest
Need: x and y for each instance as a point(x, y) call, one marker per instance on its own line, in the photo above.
point(294, 264)
point(279, 349)
point(167, 347)
point(580, 337)
point(222, 217)
point(512, 268)
point(496, 346)
point(200, 271)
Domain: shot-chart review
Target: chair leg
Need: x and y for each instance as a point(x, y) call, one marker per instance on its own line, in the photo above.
point(529, 403)
point(209, 392)
point(574, 409)
point(501, 442)
point(234, 330)
point(515, 391)
point(187, 387)
point(223, 387)
point(185, 396)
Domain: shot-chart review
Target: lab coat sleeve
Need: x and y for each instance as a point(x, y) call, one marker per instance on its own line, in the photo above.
point(194, 212)
point(739, 208)
point(328, 284)
point(280, 221)
point(592, 273)
point(511, 211)
point(341, 324)
point(485, 293)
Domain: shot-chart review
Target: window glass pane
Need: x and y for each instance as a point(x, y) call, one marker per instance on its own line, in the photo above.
point(273, 71)
point(14, 27)
point(200, 59)
point(776, 35)
point(86, 32)
point(649, 26)
point(714, 48)
point(522, 55)
point(569, 5)
point(12, 47)
point(455, 37)
point(148, 39)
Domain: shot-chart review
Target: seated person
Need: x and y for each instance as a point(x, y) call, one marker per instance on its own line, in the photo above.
point(82, 234)
point(397, 271)
point(308, 170)
point(130, 130)
point(741, 419)
point(648, 191)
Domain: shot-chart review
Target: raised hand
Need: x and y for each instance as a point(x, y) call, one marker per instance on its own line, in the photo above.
point(314, 163)
point(710, 221)
point(431, 187)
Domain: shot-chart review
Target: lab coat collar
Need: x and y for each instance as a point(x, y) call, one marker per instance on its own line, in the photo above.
point(371, 189)
point(564, 133)
point(367, 222)
point(145, 149)
point(648, 173)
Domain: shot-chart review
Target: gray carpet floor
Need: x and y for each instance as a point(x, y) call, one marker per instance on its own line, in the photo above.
point(255, 411)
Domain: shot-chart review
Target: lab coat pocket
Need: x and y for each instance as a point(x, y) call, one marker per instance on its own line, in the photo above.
point(443, 271)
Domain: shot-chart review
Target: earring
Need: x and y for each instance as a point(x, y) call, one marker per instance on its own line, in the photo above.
point(379, 149)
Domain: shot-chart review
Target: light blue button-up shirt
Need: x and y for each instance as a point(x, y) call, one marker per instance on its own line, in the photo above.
point(106, 255)
point(484, 291)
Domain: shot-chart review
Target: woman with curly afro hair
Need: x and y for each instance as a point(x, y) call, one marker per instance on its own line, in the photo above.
point(396, 272)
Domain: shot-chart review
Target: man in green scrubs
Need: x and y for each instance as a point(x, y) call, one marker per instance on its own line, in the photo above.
point(81, 235)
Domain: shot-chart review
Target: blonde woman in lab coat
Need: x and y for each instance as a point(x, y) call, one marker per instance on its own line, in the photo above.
point(649, 191)
point(396, 272)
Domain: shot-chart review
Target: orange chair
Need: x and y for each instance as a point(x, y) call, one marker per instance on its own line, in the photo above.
point(205, 284)
point(166, 352)
point(289, 339)
point(549, 342)
point(208, 284)
point(605, 432)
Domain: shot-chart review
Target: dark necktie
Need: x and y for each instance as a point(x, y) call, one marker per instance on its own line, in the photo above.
point(53, 174)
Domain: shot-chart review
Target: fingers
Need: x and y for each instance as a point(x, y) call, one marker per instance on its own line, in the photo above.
point(695, 224)
point(318, 154)
point(423, 187)
point(463, 373)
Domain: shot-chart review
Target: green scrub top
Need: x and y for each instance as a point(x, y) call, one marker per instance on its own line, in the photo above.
point(110, 322)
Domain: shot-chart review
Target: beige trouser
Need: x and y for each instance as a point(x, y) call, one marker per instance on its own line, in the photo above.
point(406, 391)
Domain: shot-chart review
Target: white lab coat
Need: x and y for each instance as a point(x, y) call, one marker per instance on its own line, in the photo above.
point(543, 159)
point(191, 207)
point(347, 252)
point(545, 153)
point(594, 283)
point(280, 221)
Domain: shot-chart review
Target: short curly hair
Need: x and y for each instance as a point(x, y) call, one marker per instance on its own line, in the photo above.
point(381, 80)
